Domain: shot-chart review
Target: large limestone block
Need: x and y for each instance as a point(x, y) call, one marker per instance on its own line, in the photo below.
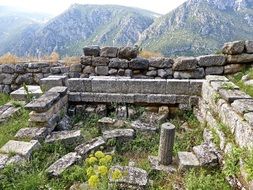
point(233, 48)
point(91, 51)
point(139, 64)
point(198, 73)
point(243, 106)
point(22, 95)
point(216, 70)
point(244, 134)
point(127, 53)
point(185, 64)
point(239, 59)
point(161, 62)
point(205, 155)
point(110, 52)
point(32, 133)
point(232, 95)
point(43, 103)
point(79, 85)
point(119, 134)
point(187, 160)
point(92, 145)
point(102, 70)
point(249, 46)
point(211, 60)
point(66, 137)
point(20, 147)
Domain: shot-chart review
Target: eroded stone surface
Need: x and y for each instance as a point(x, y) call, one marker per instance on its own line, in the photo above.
point(233, 48)
point(131, 176)
point(22, 95)
point(67, 137)
point(187, 160)
point(20, 147)
point(243, 106)
point(118, 133)
point(86, 148)
point(232, 95)
point(185, 63)
point(140, 126)
point(32, 133)
point(205, 156)
point(62, 164)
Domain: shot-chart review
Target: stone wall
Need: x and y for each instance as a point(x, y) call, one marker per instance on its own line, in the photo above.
point(113, 61)
point(12, 76)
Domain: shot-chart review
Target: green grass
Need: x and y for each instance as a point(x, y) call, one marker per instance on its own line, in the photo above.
point(4, 98)
point(10, 128)
point(203, 179)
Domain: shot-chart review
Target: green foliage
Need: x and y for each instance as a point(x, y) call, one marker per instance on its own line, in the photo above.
point(203, 179)
point(11, 127)
point(228, 86)
point(216, 97)
point(248, 164)
point(4, 98)
point(216, 138)
point(232, 166)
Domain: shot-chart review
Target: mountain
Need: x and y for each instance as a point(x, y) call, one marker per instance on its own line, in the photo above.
point(82, 25)
point(13, 22)
point(199, 27)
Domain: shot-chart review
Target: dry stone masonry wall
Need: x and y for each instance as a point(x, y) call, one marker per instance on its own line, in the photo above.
point(113, 61)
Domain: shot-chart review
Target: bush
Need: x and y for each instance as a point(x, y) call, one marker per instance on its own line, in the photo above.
point(71, 60)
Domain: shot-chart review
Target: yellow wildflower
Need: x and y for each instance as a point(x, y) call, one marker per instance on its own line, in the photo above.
point(89, 171)
point(102, 170)
point(99, 154)
point(92, 160)
point(116, 174)
point(108, 158)
point(93, 181)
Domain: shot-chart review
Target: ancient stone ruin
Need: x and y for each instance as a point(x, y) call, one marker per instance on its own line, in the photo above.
point(53, 93)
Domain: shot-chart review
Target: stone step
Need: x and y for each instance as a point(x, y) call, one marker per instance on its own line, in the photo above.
point(21, 148)
point(52, 81)
point(7, 111)
point(187, 160)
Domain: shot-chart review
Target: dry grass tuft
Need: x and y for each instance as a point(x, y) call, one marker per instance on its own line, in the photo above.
point(8, 58)
point(149, 54)
point(68, 61)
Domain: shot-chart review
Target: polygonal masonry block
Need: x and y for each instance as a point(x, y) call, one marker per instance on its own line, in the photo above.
point(185, 64)
point(20, 147)
point(233, 48)
point(110, 52)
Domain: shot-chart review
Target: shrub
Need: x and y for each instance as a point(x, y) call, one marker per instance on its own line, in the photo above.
point(71, 60)
point(54, 57)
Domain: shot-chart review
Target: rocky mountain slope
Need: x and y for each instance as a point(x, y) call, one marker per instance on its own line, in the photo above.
point(84, 25)
point(200, 26)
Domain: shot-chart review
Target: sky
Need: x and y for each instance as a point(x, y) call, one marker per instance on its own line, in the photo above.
point(55, 7)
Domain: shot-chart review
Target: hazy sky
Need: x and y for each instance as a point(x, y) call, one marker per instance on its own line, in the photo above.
point(55, 7)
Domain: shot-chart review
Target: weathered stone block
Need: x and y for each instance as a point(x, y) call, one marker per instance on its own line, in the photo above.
point(211, 60)
point(161, 62)
point(86, 60)
point(43, 103)
point(127, 53)
point(66, 137)
point(22, 95)
point(93, 145)
point(62, 90)
point(185, 64)
point(134, 176)
point(110, 52)
point(19, 147)
point(62, 164)
point(118, 134)
point(32, 133)
point(232, 95)
point(187, 160)
point(139, 63)
point(198, 73)
point(162, 99)
point(218, 70)
point(25, 78)
point(91, 51)
point(211, 78)
point(244, 134)
point(50, 82)
point(233, 48)
point(79, 85)
point(76, 68)
point(8, 68)
point(6, 78)
point(205, 155)
point(243, 106)
point(249, 46)
point(102, 70)
point(239, 59)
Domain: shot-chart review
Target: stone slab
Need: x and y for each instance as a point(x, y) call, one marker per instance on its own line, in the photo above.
point(20, 147)
point(119, 134)
point(211, 60)
point(43, 103)
point(66, 137)
point(86, 148)
point(187, 160)
point(232, 95)
point(32, 133)
point(79, 85)
point(243, 106)
point(62, 164)
point(22, 95)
